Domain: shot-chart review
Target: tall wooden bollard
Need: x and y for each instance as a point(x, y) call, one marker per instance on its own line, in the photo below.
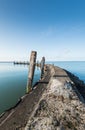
point(31, 70)
point(42, 66)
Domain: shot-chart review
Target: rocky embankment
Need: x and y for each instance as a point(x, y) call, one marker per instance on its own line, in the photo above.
point(80, 85)
point(61, 106)
point(56, 103)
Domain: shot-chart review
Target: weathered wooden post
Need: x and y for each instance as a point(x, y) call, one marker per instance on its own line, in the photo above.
point(31, 70)
point(42, 66)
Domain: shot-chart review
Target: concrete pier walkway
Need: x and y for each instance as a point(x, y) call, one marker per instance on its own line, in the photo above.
point(61, 106)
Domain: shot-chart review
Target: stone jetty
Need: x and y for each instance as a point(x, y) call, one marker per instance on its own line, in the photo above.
point(55, 103)
point(61, 106)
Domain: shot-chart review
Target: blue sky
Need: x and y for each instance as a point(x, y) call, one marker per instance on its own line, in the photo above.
point(54, 28)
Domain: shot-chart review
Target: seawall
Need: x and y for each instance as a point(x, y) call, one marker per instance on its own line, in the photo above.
point(54, 104)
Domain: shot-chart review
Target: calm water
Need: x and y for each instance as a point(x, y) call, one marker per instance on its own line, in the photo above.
point(13, 82)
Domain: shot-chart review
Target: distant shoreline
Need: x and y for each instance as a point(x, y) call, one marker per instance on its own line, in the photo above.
point(6, 61)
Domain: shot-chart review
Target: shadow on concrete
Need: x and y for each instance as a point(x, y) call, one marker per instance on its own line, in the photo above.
point(60, 76)
point(40, 82)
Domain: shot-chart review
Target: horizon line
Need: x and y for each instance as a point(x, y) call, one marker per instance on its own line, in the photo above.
point(46, 61)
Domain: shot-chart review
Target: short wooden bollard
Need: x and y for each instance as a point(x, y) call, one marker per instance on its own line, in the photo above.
point(31, 70)
point(42, 66)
